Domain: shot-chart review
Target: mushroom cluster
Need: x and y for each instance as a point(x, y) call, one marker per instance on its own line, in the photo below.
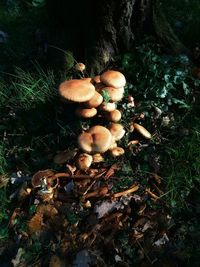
point(90, 94)
point(97, 96)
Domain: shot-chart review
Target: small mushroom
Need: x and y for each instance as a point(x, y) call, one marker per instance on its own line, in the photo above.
point(146, 134)
point(97, 158)
point(117, 130)
point(84, 161)
point(96, 140)
point(86, 112)
point(117, 151)
point(107, 106)
point(114, 94)
point(96, 79)
point(79, 67)
point(113, 78)
point(114, 115)
point(113, 144)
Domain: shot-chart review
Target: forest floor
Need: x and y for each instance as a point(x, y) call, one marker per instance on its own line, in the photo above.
point(141, 209)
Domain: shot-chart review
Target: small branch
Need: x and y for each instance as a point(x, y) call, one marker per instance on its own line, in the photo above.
point(126, 192)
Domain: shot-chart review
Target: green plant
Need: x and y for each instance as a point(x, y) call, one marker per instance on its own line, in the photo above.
point(182, 174)
point(158, 79)
point(27, 89)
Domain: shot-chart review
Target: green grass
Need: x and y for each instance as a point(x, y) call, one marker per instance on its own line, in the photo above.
point(27, 89)
point(181, 168)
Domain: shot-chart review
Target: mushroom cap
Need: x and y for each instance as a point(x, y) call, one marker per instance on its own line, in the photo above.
point(107, 106)
point(79, 66)
point(114, 94)
point(113, 143)
point(97, 158)
point(39, 176)
point(95, 101)
point(96, 79)
point(77, 90)
point(146, 134)
point(117, 151)
point(114, 115)
point(113, 78)
point(84, 161)
point(116, 130)
point(86, 112)
point(96, 140)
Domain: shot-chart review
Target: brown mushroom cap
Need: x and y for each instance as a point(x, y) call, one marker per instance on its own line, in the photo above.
point(114, 94)
point(96, 140)
point(77, 90)
point(116, 130)
point(113, 143)
point(95, 101)
point(107, 106)
point(84, 161)
point(96, 79)
point(114, 115)
point(146, 134)
point(117, 151)
point(97, 158)
point(79, 66)
point(86, 112)
point(113, 78)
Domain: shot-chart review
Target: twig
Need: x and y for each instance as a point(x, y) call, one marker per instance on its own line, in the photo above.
point(152, 194)
point(126, 192)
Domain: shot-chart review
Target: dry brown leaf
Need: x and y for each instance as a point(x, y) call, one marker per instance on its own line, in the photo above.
point(38, 176)
point(64, 156)
point(111, 171)
point(13, 217)
point(46, 210)
point(156, 177)
point(56, 261)
point(3, 180)
point(36, 223)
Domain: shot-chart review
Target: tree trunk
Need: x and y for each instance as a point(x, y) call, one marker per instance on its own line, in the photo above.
point(97, 31)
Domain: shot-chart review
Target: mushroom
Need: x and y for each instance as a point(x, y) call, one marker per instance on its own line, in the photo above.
point(77, 90)
point(96, 79)
point(97, 158)
point(80, 67)
point(113, 143)
point(114, 94)
point(113, 78)
point(116, 130)
point(114, 115)
point(95, 101)
point(86, 112)
point(107, 106)
point(84, 161)
point(96, 140)
point(146, 134)
point(117, 151)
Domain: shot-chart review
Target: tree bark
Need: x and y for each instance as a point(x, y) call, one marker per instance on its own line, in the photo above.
point(97, 31)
